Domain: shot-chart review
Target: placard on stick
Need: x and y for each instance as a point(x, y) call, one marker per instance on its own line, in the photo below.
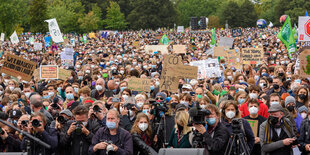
point(17, 66)
point(252, 55)
point(63, 74)
point(304, 63)
point(49, 72)
point(152, 48)
point(139, 84)
point(254, 126)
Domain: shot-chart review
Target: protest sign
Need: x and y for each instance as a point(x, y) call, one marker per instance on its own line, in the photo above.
point(169, 83)
point(226, 42)
point(17, 66)
point(49, 72)
point(67, 57)
point(54, 30)
point(152, 48)
point(2, 37)
point(179, 48)
point(254, 126)
point(210, 51)
point(47, 41)
point(62, 73)
point(207, 68)
point(233, 58)
point(219, 51)
point(14, 38)
point(304, 63)
point(37, 46)
point(139, 84)
point(252, 55)
point(31, 40)
point(180, 29)
point(236, 32)
point(303, 28)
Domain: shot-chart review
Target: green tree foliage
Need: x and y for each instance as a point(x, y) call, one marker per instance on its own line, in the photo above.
point(248, 16)
point(115, 19)
point(230, 15)
point(38, 13)
point(214, 21)
point(89, 22)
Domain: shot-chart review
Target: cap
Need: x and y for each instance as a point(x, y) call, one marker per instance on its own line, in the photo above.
point(303, 109)
point(15, 114)
point(275, 108)
point(66, 112)
point(187, 86)
point(114, 72)
point(161, 94)
point(289, 99)
point(179, 107)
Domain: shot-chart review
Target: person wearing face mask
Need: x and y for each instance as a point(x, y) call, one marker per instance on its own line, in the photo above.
point(229, 112)
point(253, 107)
point(215, 134)
point(277, 135)
point(277, 86)
point(303, 111)
point(140, 99)
point(142, 135)
point(301, 96)
point(80, 133)
point(99, 91)
point(290, 105)
point(121, 139)
point(304, 139)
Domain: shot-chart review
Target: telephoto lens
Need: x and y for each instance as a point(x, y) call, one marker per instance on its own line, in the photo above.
point(36, 123)
point(78, 127)
point(61, 119)
point(24, 123)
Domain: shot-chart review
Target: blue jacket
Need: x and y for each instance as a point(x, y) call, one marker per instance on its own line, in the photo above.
point(298, 121)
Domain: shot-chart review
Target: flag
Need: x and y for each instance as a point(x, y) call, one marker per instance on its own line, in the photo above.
point(213, 37)
point(295, 33)
point(104, 34)
point(2, 37)
point(47, 41)
point(92, 35)
point(286, 35)
point(84, 39)
point(54, 30)
point(270, 25)
point(14, 38)
point(164, 40)
point(306, 14)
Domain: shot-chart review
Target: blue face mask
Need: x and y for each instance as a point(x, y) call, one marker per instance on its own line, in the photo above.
point(153, 66)
point(45, 97)
point(111, 125)
point(152, 87)
point(241, 100)
point(122, 88)
point(211, 121)
point(80, 78)
point(69, 96)
point(145, 111)
point(272, 103)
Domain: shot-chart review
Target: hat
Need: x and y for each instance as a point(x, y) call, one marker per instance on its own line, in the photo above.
point(66, 112)
point(179, 107)
point(275, 108)
point(114, 72)
point(187, 86)
point(289, 99)
point(161, 94)
point(302, 109)
point(15, 114)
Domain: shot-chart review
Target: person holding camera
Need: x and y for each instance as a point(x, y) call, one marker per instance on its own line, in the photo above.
point(277, 135)
point(97, 112)
point(9, 142)
point(80, 133)
point(112, 138)
point(36, 105)
point(215, 134)
point(38, 127)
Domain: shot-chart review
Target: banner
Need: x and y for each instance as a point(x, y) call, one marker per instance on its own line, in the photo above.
point(67, 57)
point(48, 72)
point(17, 66)
point(304, 28)
point(304, 63)
point(54, 30)
point(180, 29)
point(213, 37)
point(37, 46)
point(152, 48)
point(139, 84)
point(14, 38)
point(2, 37)
point(233, 58)
point(179, 49)
point(47, 41)
point(164, 40)
point(252, 55)
point(287, 37)
point(207, 68)
point(226, 42)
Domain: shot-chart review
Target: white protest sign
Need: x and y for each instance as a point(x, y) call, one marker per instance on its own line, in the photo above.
point(303, 28)
point(14, 38)
point(152, 48)
point(2, 37)
point(180, 29)
point(54, 30)
point(210, 51)
point(207, 68)
point(37, 46)
point(67, 57)
point(226, 42)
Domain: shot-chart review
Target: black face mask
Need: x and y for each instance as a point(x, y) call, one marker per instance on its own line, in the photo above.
point(247, 72)
point(173, 105)
point(281, 74)
point(180, 127)
point(302, 96)
point(276, 86)
point(180, 86)
point(273, 120)
point(290, 108)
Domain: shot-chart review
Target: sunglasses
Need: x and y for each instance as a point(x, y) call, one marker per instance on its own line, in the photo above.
point(159, 98)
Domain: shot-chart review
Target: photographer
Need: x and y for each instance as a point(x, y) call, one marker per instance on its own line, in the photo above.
point(80, 133)
point(36, 105)
point(112, 138)
point(128, 114)
point(39, 128)
point(215, 133)
point(97, 112)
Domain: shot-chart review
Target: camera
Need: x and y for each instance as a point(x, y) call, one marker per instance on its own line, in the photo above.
point(109, 146)
point(158, 108)
point(236, 125)
point(61, 119)
point(129, 106)
point(197, 115)
point(78, 127)
point(295, 142)
point(96, 108)
point(115, 99)
point(36, 123)
point(24, 123)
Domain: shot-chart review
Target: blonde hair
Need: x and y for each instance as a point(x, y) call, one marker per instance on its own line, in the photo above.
point(182, 117)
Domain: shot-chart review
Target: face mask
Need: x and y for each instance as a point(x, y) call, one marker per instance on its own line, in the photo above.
point(184, 103)
point(229, 77)
point(302, 96)
point(273, 120)
point(273, 103)
point(92, 66)
point(99, 87)
point(303, 115)
point(46, 97)
point(143, 126)
point(122, 72)
point(11, 88)
point(80, 78)
point(6, 80)
point(140, 104)
point(69, 96)
point(111, 125)
point(211, 121)
point(152, 87)
point(199, 97)
point(134, 63)
point(275, 86)
point(105, 75)
point(253, 95)
point(27, 94)
point(203, 106)
point(76, 90)
point(113, 68)
point(81, 98)
point(84, 123)
point(145, 111)
point(59, 89)
point(153, 66)
point(298, 81)
point(261, 85)
point(290, 108)
point(253, 110)
point(241, 100)
point(288, 72)
point(125, 97)
point(230, 114)
point(240, 81)
point(87, 71)
point(51, 94)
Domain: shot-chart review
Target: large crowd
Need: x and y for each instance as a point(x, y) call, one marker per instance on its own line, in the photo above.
point(93, 111)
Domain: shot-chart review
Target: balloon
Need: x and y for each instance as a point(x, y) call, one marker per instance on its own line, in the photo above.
point(283, 18)
point(261, 23)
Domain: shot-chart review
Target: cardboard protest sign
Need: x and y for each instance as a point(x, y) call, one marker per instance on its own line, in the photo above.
point(49, 72)
point(179, 49)
point(252, 55)
point(17, 66)
point(210, 51)
point(207, 68)
point(303, 28)
point(37, 46)
point(152, 48)
point(226, 42)
point(254, 126)
point(180, 29)
point(219, 51)
point(63, 74)
point(304, 63)
point(139, 84)
point(169, 83)
point(233, 58)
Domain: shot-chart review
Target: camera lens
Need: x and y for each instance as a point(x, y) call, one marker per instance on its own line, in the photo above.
point(78, 127)
point(24, 123)
point(61, 119)
point(36, 123)
point(1, 131)
point(96, 108)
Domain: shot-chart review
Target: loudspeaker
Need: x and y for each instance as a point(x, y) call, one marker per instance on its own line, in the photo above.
point(185, 151)
point(203, 24)
point(194, 23)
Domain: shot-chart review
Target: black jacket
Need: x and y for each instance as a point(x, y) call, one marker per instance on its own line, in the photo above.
point(11, 144)
point(79, 144)
point(304, 137)
point(141, 147)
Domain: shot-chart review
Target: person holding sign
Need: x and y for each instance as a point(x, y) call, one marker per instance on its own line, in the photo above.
point(255, 120)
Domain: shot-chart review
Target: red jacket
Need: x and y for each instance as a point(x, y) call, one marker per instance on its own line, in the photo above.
point(263, 109)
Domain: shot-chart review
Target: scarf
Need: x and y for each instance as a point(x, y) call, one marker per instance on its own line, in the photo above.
point(269, 133)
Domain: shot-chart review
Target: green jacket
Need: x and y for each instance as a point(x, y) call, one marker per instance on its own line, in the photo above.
point(184, 142)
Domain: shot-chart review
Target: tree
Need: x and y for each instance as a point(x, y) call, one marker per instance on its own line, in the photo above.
point(247, 15)
point(230, 14)
point(115, 19)
point(89, 22)
point(214, 21)
point(38, 13)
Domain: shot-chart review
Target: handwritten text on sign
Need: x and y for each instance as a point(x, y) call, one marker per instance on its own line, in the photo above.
point(48, 72)
point(252, 55)
point(139, 84)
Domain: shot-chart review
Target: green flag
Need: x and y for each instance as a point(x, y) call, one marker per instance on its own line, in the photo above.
point(286, 35)
point(213, 37)
point(164, 40)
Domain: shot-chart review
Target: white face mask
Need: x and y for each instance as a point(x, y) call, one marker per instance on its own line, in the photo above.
point(203, 106)
point(143, 126)
point(125, 97)
point(51, 94)
point(303, 115)
point(230, 114)
point(229, 77)
point(157, 83)
point(253, 96)
point(253, 110)
point(140, 104)
point(99, 87)
point(11, 88)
